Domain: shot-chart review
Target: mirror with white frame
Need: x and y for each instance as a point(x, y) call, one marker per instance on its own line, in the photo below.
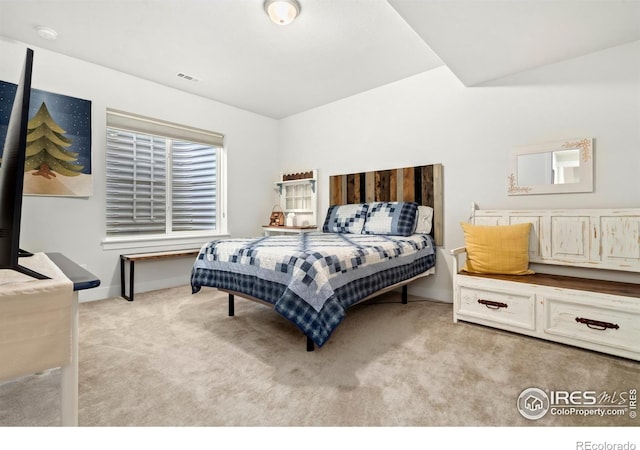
point(552, 168)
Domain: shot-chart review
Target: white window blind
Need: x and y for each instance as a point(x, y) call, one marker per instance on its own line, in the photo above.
point(194, 187)
point(161, 178)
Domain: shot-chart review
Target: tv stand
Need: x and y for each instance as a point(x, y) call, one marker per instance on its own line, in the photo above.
point(29, 272)
point(24, 270)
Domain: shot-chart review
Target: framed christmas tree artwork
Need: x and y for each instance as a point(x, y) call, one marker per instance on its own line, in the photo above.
point(58, 160)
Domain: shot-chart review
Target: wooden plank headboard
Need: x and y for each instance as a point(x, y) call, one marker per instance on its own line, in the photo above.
point(421, 184)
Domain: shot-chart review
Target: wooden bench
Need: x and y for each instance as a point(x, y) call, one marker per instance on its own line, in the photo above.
point(597, 313)
point(133, 257)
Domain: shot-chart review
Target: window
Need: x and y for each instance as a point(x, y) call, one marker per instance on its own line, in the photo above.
point(163, 180)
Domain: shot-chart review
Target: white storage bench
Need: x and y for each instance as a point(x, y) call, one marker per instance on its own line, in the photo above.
point(596, 314)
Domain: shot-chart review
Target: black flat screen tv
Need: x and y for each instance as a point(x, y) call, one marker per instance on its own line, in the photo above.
point(12, 175)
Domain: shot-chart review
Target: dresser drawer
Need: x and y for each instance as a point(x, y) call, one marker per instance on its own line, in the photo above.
point(595, 323)
point(498, 305)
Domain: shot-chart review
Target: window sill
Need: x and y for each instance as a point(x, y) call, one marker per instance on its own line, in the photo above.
point(160, 242)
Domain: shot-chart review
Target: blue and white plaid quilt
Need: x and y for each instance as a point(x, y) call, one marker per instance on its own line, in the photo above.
point(312, 278)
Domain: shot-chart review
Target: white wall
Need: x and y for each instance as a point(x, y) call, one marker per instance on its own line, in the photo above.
point(428, 118)
point(433, 118)
point(76, 226)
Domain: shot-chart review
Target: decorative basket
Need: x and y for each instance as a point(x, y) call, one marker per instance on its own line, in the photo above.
point(277, 217)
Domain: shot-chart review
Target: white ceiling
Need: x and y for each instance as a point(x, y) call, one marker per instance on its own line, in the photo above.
point(335, 49)
point(482, 40)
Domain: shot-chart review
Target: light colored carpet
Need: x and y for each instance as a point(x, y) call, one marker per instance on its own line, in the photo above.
point(171, 358)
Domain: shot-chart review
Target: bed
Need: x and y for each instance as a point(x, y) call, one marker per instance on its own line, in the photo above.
point(365, 248)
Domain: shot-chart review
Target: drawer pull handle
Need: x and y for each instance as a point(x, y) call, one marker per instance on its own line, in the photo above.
point(492, 305)
point(596, 324)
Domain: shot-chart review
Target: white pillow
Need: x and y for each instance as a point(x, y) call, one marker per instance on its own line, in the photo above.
point(425, 220)
point(348, 218)
point(391, 218)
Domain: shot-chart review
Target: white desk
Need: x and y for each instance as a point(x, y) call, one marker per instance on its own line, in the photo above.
point(39, 324)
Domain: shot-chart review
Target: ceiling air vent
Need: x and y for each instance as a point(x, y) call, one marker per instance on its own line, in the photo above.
point(188, 77)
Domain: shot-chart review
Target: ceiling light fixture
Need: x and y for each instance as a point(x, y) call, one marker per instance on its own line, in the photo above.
point(282, 12)
point(47, 33)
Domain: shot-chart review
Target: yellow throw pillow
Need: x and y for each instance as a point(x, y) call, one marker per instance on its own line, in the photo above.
point(499, 249)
